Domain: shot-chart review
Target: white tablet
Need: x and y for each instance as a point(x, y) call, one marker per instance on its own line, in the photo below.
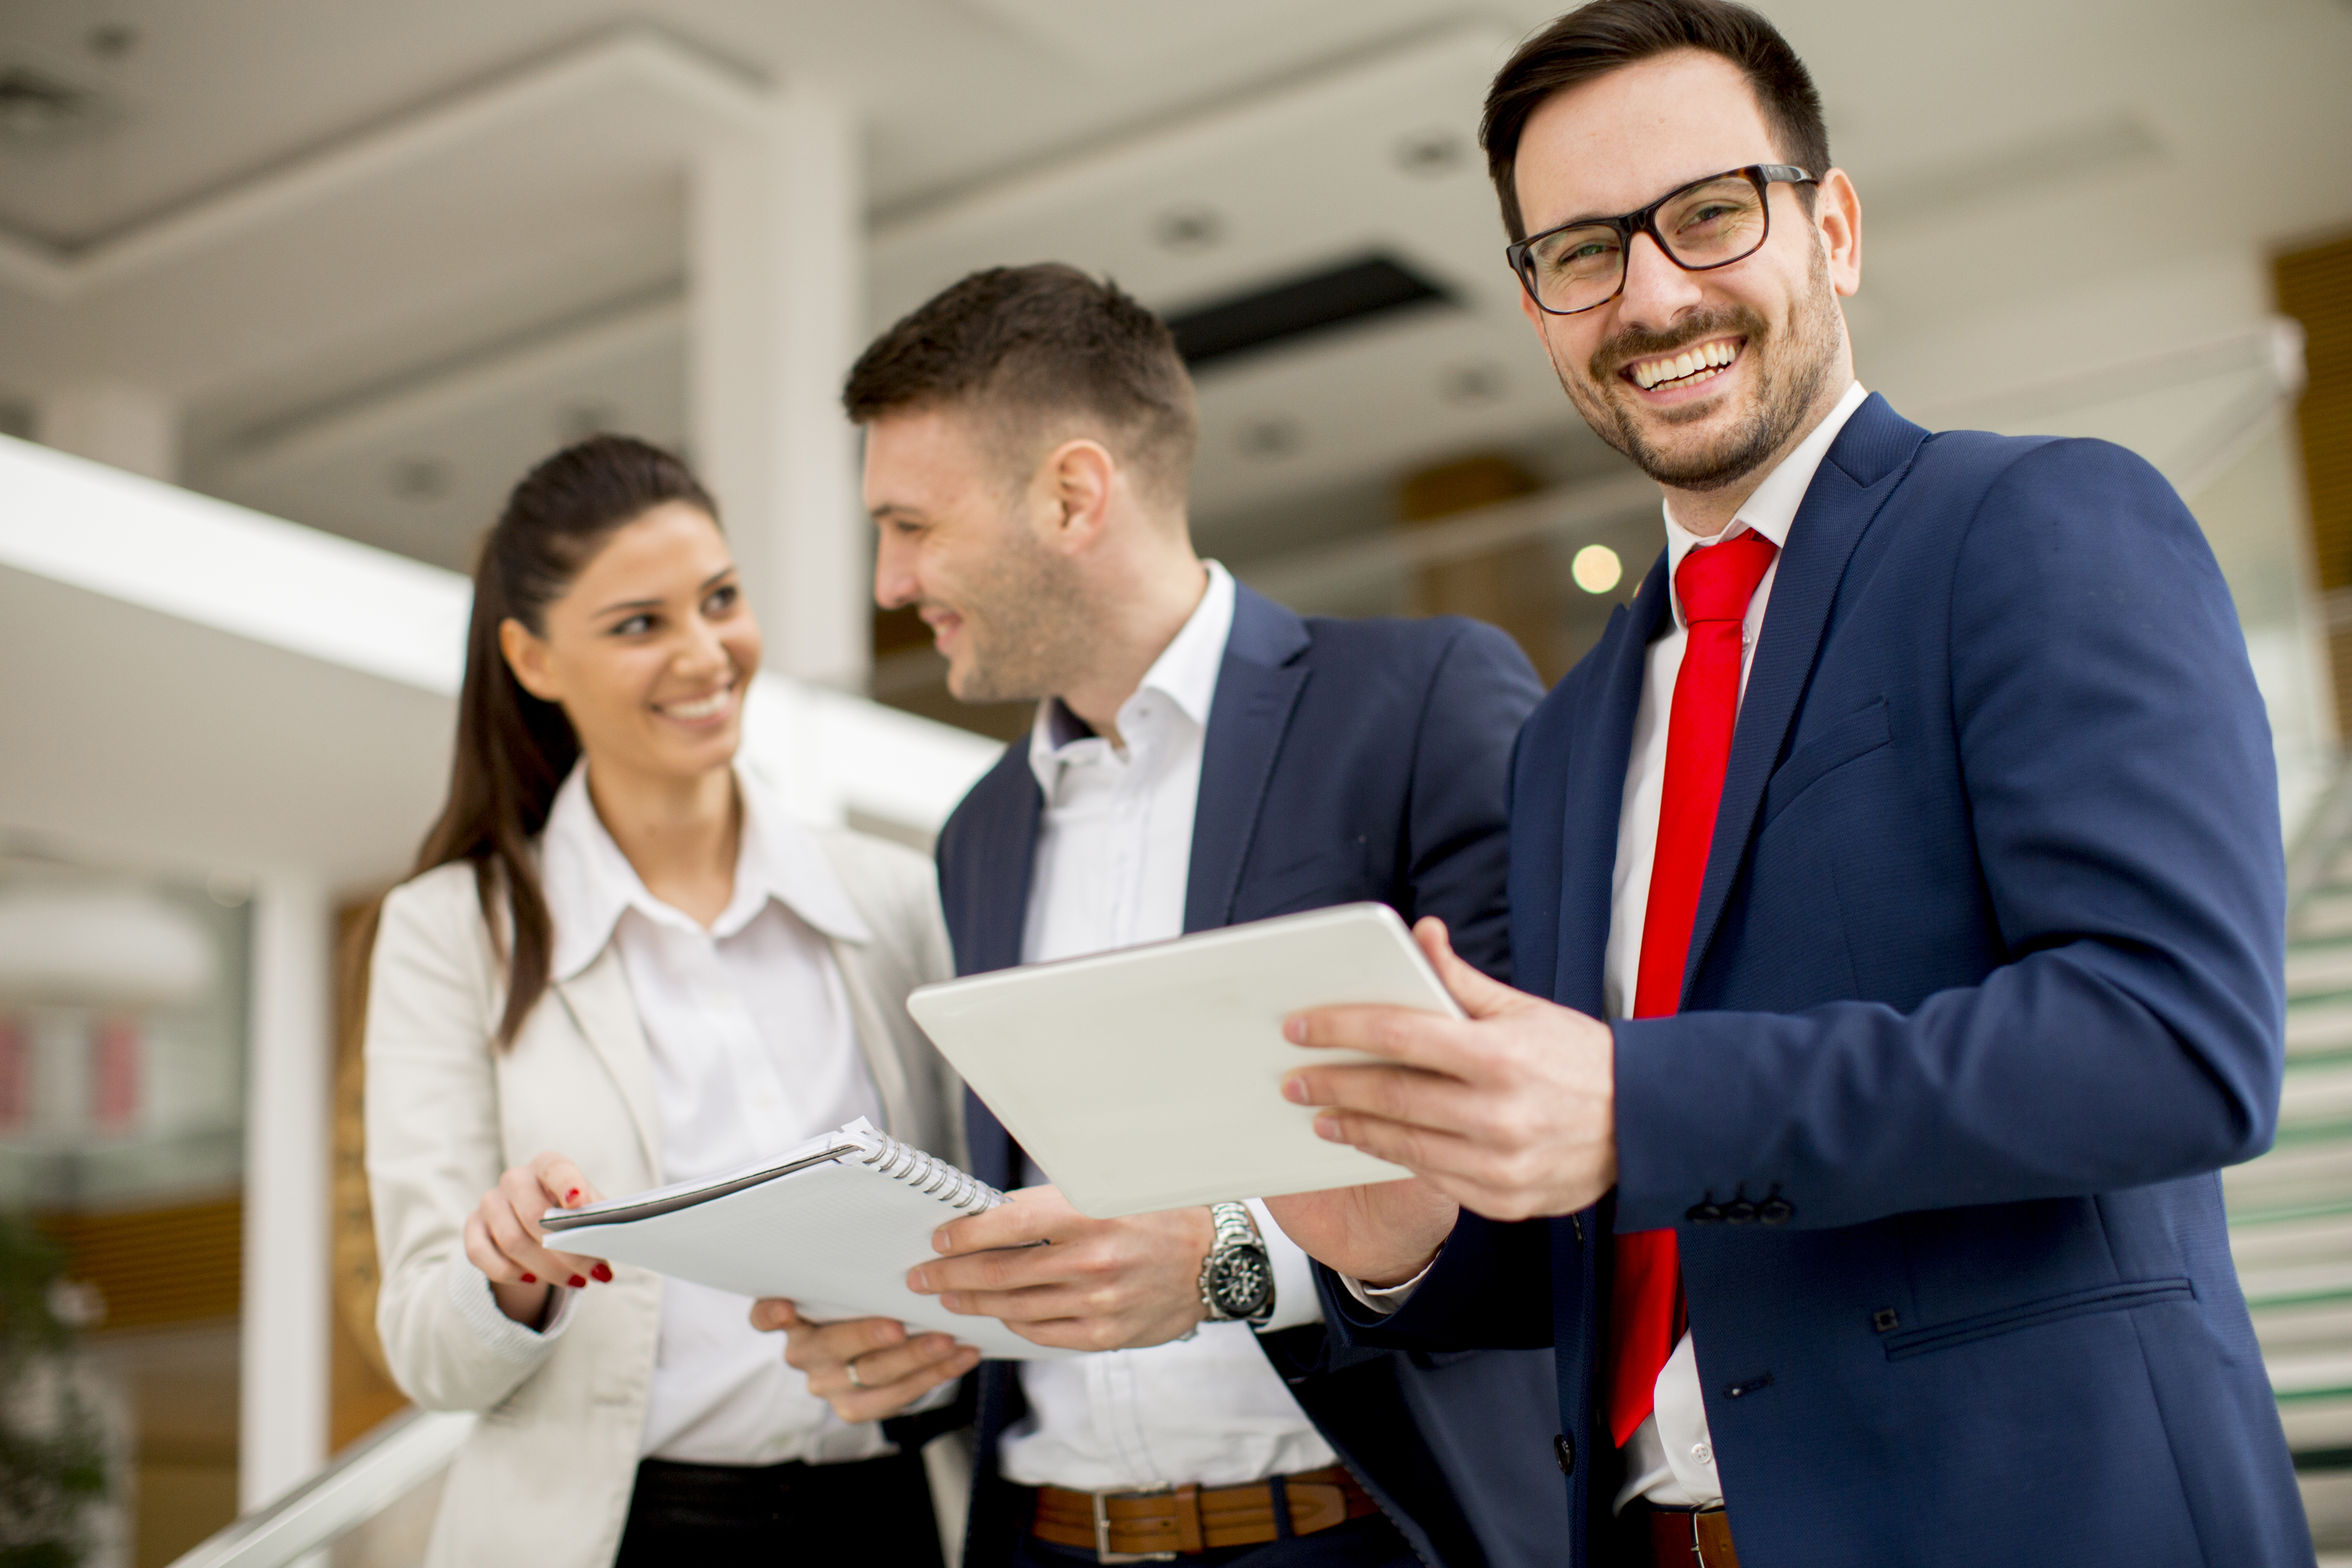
point(1151, 1078)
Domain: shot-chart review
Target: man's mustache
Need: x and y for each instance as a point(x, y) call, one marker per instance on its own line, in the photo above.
point(1633, 344)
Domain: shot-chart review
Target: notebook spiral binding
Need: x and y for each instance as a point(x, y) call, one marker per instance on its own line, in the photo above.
point(932, 1175)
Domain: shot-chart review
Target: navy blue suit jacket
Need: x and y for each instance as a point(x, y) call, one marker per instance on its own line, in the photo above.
point(1985, 986)
point(1344, 760)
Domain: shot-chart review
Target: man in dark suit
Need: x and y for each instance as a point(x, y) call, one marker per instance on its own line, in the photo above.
point(1915, 832)
point(1200, 756)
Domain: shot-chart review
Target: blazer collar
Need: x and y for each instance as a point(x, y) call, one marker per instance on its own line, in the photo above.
point(1772, 510)
point(1257, 690)
point(996, 830)
point(1186, 674)
point(1867, 461)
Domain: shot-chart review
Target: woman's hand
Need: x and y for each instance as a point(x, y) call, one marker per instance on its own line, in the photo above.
point(504, 1241)
point(866, 1368)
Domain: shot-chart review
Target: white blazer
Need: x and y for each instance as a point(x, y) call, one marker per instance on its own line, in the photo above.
point(546, 1476)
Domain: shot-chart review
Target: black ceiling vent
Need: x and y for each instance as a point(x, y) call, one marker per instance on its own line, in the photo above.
point(36, 108)
point(1353, 292)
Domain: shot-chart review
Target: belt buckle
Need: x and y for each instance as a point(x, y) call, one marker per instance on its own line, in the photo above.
point(1103, 1554)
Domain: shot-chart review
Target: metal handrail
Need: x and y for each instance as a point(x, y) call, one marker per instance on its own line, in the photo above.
point(365, 1479)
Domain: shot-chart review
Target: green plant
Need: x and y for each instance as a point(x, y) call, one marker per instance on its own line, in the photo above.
point(52, 1455)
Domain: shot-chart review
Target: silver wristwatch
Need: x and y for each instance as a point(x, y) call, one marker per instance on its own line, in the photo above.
point(1237, 1277)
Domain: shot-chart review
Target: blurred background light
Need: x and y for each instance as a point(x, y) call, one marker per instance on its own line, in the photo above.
point(1596, 569)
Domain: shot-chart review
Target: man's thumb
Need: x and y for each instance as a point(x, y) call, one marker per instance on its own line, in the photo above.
point(1479, 995)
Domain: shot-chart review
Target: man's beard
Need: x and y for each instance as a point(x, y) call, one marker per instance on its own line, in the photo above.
point(1026, 622)
point(1791, 370)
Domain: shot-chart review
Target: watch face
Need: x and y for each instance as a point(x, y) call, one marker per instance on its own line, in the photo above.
point(1240, 1282)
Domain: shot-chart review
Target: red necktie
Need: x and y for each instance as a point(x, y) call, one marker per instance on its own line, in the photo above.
point(1714, 586)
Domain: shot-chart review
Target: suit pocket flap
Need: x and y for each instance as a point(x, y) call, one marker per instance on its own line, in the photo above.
point(2122, 1296)
point(1855, 735)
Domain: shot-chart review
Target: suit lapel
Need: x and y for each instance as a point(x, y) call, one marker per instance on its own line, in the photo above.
point(1257, 690)
point(603, 1010)
point(986, 859)
point(1862, 468)
point(988, 893)
point(1596, 793)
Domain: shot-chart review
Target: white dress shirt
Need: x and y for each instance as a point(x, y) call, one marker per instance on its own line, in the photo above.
point(1114, 855)
point(1670, 1457)
point(753, 1051)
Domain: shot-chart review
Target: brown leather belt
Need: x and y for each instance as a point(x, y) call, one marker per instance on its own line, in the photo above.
point(1680, 1539)
point(1157, 1526)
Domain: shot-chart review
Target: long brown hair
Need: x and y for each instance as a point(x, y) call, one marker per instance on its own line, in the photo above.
point(514, 751)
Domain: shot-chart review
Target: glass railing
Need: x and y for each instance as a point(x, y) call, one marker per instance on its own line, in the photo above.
point(367, 1484)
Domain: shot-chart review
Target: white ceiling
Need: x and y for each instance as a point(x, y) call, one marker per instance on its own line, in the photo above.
point(2046, 189)
point(167, 776)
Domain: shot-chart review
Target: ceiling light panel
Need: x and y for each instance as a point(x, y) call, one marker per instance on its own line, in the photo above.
point(1375, 159)
point(1296, 178)
point(1355, 293)
point(39, 107)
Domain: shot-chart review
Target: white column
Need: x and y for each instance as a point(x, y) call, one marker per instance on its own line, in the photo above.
point(282, 1367)
point(131, 428)
point(776, 258)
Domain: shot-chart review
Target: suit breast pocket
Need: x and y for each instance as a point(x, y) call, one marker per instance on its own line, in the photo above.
point(1849, 740)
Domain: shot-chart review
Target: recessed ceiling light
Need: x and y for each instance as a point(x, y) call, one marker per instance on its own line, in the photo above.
point(1271, 438)
point(1472, 384)
point(420, 478)
point(578, 421)
point(1432, 152)
point(1187, 231)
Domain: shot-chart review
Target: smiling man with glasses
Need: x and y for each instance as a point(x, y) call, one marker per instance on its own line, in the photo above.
point(1897, 907)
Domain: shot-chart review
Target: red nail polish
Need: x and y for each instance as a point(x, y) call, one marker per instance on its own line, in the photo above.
point(603, 1271)
point(578, 1283)
point(531, 1279)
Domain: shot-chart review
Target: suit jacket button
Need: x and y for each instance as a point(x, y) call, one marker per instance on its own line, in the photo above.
point(1741, 1211)
point(1565, 1452)
point(1776, 1211)
point(1703, 1214)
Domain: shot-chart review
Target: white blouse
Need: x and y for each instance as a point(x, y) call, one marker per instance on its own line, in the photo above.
point(753, 1051)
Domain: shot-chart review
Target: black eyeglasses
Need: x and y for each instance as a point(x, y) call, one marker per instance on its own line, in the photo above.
point(1707, 224)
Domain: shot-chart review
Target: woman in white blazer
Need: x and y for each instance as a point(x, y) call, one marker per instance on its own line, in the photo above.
point(619, 965)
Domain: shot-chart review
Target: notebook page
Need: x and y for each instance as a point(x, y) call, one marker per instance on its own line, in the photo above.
point(837, 1238)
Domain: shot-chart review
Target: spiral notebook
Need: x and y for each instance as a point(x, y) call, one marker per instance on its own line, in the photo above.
point(834, 1225)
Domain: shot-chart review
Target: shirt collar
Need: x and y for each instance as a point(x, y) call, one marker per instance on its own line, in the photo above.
point(1772, 510)
point(590, 884)
point(1185, 673)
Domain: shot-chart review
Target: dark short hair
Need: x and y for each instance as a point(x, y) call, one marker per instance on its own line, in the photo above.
point(1608, 34)
point(1032, 347)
